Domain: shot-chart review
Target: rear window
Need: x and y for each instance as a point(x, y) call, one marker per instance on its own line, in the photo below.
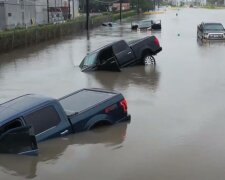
point(43, 119)
point(146, 23)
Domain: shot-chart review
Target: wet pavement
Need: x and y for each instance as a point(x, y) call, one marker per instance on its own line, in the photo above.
point(177, 127)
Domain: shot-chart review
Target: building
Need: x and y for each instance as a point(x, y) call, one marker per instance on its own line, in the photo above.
point(63, 10)
point(16, 13)
point(200, 2)
point(125, 6)
point(23, 13)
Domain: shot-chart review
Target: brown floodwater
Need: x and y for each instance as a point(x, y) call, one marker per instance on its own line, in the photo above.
point(177, 127)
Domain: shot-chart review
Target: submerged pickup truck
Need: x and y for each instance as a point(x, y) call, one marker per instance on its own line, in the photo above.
point(121, 54)
point(30, 118)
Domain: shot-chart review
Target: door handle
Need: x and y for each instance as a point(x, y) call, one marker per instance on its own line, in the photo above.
point(129, 53)
point(64, 132)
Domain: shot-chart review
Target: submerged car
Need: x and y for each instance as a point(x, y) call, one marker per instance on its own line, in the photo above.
point(211, 31)
point(120, 54)
point(147, 25)
point(109, 24)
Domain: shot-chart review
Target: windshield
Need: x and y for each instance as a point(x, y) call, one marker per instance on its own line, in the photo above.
point(89, 60)
point(214, 27)
point(145, 23)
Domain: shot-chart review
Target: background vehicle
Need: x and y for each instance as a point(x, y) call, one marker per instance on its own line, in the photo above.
point(109, 24)
point(29, 119)
point(147, 25)
point(211, 31)
point(122, 54)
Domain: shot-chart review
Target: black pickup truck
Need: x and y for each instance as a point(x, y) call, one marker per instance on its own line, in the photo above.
point(122, 54)
point(29, 119)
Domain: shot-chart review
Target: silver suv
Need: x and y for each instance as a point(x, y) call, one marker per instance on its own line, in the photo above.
point(211, 31)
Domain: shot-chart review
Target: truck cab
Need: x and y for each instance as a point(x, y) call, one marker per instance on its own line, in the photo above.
point(29, 119)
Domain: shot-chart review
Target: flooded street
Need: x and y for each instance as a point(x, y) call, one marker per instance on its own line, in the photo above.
point(177, 108)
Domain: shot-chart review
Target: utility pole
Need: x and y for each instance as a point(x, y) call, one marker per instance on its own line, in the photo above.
point(73, 10)
point(138, 8)
point(48, 10)
point(69, 9)
point(120, 10)
point(87, 15)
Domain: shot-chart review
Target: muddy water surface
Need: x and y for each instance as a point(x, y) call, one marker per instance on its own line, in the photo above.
point(177, 128)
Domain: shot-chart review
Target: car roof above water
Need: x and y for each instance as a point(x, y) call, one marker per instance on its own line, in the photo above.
point(15, 107)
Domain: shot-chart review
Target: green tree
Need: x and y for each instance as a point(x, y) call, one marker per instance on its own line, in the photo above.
point(144, 5)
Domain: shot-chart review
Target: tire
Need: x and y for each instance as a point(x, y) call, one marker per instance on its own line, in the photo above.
point(148, 59)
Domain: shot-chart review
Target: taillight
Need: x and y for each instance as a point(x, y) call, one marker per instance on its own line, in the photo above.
point(123, 104)
point(156, 41)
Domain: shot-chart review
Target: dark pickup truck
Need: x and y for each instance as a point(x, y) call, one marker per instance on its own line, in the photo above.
point(29, 119)
point(121, 54)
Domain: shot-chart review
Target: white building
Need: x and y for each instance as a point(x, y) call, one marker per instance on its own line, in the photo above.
point(16, 13)
point(20, 13)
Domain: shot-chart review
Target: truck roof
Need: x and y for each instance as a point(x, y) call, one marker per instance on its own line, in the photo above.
point(15, 107)
point(103, 47)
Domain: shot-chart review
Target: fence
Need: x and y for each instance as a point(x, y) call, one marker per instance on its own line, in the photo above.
point(28, 36)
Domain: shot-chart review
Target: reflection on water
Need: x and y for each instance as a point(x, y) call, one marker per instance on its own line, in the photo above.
point(177, 107)
point(144, 76)
point(110, 136)
point(210, 43)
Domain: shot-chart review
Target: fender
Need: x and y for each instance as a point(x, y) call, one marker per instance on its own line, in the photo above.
point(97, 119)
point(146, 51)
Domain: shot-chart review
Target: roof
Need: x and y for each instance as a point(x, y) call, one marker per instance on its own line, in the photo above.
point(15, 107)
point(212, 23)
point(103, 47)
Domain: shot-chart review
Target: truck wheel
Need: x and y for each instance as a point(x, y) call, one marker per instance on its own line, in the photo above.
point(148, 59)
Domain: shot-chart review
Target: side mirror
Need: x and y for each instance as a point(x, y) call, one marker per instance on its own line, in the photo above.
point(19, 140)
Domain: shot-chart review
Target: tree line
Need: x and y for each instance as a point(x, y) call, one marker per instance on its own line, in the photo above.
point(104, 5)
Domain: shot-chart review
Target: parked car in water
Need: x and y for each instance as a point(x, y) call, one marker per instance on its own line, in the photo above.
point(29, 119)
point(147, 25)
point(121, 54)
point(211, 31)
point(109, 24)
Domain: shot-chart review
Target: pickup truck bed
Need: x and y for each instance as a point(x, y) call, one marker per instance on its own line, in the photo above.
point(84, 99)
